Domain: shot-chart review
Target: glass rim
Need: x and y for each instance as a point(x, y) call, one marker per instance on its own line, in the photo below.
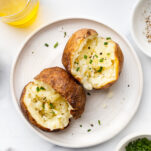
point(18, 11)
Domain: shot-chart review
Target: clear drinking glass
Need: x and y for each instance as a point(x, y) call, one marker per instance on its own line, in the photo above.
point(18, 12)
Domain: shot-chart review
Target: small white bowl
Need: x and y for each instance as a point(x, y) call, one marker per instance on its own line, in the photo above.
point(124, 142)
point(138, 25)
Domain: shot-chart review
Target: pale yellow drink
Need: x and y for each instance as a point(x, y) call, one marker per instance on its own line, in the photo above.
point(18, 12)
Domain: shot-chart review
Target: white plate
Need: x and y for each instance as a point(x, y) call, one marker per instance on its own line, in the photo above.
point(138, 25)
point(114, 107)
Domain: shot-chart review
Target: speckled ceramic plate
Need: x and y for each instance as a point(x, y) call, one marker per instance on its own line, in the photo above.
point(114, 107)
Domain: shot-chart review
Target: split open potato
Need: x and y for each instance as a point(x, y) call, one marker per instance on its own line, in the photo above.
point(94, 61)
point(52, 99)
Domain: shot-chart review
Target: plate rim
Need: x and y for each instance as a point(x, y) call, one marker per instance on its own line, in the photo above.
point(60, 143)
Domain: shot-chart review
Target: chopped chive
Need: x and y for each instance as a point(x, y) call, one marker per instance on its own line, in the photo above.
point(85, 56)
point(108, 53)
point(47, 45)
point(65, 34)
point(105, 43)
point(80, 125)
point(42, 88)
point(37, 89)
point(51, 106)
point(99, 122)
point(96, 56)
point(101, 68)
point(77, 69)
point(53, 112)
point(90, 61)
point(102, 59)
point(43, 106)
point(56, 45)
point(89, 130)
point(108, 38)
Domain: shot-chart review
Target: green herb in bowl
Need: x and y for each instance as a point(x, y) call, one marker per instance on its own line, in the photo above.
point(141, 144)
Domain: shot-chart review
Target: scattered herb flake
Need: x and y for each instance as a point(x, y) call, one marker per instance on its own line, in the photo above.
point(99, 122)
point(65, 34)
point(37, 89)
point(88, 93)
point(88, 130)
point(43, 106)
point(47, 45)
point(80, 125)
point(108, 38)
point(108, 53)
point(77, 69)
point(85, 56)
point(100, 70)
point(102, 59)
point(96, 56)
point(42, 88)
point(56, 45)
point(53, 113)
point(90, 61)
point(32, 52)
point(105, 43)
point(51, 106)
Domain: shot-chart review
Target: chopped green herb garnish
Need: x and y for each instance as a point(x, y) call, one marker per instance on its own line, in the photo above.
point(89, 130)
point(37, 89)
point(108, 53)
point(99, 122)
point(65, 34)
point(80, 125)
point(102, 59)
point(105, 43)
point(140, 144)
point(56, 45)
point(76, 62)
point(90, 61)
point(51, 106)
point(77, 69)
point(43, 106)
point(101, 68)
point(53, 112)
point(96, 56)
point(85, 56)
point(42, 88)
point(46, 45)
point(108, 38)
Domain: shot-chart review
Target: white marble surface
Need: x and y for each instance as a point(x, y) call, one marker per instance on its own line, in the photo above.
point(14, 133)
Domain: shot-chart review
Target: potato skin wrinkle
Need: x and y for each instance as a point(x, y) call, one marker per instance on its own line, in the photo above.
point(95, 62)
point(66, 93)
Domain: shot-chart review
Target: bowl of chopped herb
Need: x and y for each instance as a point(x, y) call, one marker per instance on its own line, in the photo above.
point(135, 142)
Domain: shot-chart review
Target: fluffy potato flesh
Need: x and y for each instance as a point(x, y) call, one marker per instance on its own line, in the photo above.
point(46, 106)
point(95, 62)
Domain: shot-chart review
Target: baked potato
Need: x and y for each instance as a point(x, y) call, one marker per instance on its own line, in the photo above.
point(94, 61)
point(52, 99)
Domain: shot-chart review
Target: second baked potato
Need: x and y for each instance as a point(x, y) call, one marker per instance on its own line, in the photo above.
point(94, 61)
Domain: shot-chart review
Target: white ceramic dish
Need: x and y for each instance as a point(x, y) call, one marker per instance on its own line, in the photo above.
point(114, 108)
point(132, 137)
point(138, 25)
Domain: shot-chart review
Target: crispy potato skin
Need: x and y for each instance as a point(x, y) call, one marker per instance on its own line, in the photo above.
point(29, 116)
point(66, 86)
point(73, 44)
